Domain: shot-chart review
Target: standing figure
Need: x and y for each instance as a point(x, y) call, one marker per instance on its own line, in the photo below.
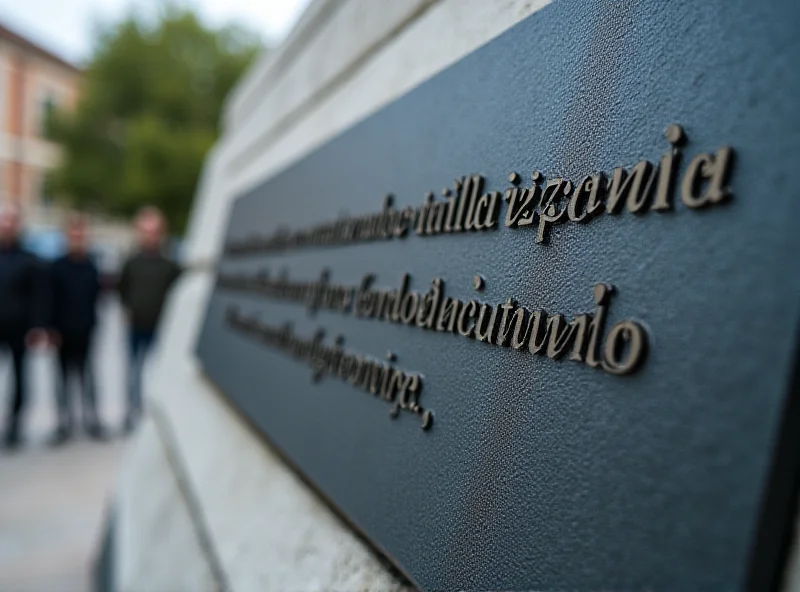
point(75, 285)
point(145, 280)
point(23, 311)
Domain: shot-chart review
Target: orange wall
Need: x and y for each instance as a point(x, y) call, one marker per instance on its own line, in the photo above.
point(26, 79)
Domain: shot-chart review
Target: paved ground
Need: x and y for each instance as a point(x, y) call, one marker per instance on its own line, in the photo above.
point(52, 500)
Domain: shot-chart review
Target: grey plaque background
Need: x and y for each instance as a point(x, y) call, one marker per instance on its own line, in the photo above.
point(540, 474)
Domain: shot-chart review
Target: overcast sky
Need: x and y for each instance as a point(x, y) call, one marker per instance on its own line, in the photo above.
point(65, 26)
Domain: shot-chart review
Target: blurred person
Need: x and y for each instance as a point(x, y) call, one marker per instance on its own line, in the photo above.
point(75, 286)
point(23, 311)
point(144, 282)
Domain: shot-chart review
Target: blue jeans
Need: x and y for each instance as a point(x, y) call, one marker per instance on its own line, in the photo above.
point(140, 343)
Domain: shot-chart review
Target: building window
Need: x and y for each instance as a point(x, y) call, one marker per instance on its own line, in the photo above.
point(47, 107)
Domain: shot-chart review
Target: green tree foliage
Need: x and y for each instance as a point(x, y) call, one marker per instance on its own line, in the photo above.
point(149, 111)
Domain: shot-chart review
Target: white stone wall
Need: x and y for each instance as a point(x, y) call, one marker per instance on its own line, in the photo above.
point(204, 503)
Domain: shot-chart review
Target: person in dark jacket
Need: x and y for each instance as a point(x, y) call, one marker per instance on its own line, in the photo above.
point(23, 311)
point(75, 285)
point(145, 280)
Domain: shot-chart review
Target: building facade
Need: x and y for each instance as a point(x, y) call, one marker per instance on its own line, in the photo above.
point(33, 82)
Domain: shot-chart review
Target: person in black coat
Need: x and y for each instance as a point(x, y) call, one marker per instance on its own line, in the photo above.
point(23, 311)
point(145, 281)
point(75, 285)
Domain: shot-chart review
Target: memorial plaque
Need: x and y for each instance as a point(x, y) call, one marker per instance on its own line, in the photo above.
point(533, 325)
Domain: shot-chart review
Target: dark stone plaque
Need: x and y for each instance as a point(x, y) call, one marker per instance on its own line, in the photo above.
point(533, 325)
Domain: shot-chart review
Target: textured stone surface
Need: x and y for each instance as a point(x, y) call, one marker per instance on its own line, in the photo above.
point(288, 87)
point(156, 545)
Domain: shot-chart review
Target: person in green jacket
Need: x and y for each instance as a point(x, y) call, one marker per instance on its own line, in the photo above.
point(144, 282)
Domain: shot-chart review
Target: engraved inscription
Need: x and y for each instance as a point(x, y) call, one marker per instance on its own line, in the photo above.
point(507, 324)
point(397, 387)
point(542, 206)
